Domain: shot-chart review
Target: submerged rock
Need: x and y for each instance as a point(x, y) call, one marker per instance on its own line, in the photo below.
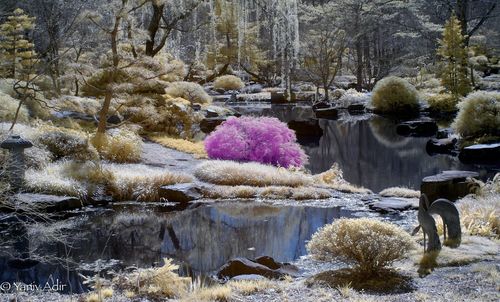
point(422, 128)
point(181, 193)
point(481, 154)
point(262, 266)
point(50, 203)
point(450, 185)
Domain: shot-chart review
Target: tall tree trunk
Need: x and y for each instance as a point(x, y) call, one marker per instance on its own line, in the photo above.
point(153, 27)
point(359, 64)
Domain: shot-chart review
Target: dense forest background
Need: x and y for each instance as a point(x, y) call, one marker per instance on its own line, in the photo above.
point(274, 41)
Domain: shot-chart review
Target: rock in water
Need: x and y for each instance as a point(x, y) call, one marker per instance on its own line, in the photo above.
point(451, 185)
point(327, 113)
point(481, 154)
point(181, 193)
point(441, 146)
point(390, 205)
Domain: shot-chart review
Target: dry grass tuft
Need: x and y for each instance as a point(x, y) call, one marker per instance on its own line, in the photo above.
point(219, 293)
point(370, 245)
point(442, 102)
point(479, 213)
point(269, 192)
point(120, 146)
point(192, 92)
point(231, 173)
point(8, 107)
point(334, 179)
point(154, 283)
point(393, 94)
point(478, 114)
point(400, 192)
point(197, 149)
point(248, 287)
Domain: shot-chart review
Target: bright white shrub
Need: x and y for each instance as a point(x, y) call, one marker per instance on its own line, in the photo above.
point(394, 94)
point(368, 244)
point(479, 114)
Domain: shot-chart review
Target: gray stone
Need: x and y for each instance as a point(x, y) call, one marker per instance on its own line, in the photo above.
point(389, 205)
point(211, 113)
point(49, 203)
point(451, 185)
point(251, 277)
point(481, 154)
point(254, 88)
point(181, 193)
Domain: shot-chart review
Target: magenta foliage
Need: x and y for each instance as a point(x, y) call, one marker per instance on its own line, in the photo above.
point(265, 140)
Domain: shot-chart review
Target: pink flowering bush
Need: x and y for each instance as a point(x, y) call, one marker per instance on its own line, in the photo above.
point(265, 140)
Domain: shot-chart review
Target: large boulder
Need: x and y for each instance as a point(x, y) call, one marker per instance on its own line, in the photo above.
point(263, 266)
point(321, 105)
point(180, 193)
point(420, 128)
point(451, 185)
point(481, 154)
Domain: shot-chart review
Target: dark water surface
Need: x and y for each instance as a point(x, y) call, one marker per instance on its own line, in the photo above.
point(367, 148)
point(200, 239)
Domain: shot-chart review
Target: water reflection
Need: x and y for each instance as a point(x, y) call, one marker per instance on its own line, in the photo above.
point(202, 239)
point(369, 151)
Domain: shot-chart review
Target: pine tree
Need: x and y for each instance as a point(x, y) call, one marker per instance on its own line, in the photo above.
point(16, 51)
point(453, 53)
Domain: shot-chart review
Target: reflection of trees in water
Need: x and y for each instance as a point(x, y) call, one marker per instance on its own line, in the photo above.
point(371, 154)
point(384, 130)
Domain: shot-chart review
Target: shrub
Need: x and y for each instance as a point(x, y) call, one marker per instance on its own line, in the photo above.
point(252, 174)
point(368, 244)
point(121, 146)
point(264, 140)
point(479, 114)
point(228, 82)
point(393, 95)
point(192, 92)
point(442, 102)
point(66, 143)
point(352, 96)
point(8, 107)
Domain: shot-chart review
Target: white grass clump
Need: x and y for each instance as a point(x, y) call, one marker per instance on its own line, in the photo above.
point(393, 95)
point(400, 192)
point(352, 96)
point(368, 244)
point(479, 114)
point(52, 179)
point(228, 82)
point(140, 182)
point(192, 92)
point(232, 173)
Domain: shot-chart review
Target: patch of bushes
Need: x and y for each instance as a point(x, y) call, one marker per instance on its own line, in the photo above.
point(395, 95)
point(442, 102)
point(192, 92)
point(228, 82)
point(264, 140)
point(350, 97)
point(478, 115)
point(367, 244)
point(120, 146)
point(231, 173)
